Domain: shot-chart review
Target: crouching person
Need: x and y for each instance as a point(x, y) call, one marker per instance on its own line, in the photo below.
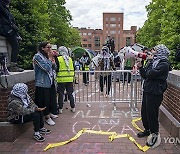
point(22, 109)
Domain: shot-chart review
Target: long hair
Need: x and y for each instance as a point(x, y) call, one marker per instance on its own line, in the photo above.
point(43, 45)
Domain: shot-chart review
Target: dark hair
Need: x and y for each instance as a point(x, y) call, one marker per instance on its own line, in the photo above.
point(43, 45)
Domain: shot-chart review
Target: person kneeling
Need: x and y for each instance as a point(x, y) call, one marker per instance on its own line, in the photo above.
point(22, 109)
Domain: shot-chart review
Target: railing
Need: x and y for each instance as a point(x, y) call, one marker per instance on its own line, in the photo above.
point(120, 90)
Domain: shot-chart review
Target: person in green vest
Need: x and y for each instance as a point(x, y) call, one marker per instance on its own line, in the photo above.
point(129, 63)
point(65, 77)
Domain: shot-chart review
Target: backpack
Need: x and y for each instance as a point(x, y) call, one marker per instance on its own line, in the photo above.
point(177, 55)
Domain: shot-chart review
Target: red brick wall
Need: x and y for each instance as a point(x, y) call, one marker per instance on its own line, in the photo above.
point(4, 93)
point(171, 101)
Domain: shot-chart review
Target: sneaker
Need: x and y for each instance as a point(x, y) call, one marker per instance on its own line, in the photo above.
point(50, 122)
point(143, 134)
point(39, 138)
point(53, 116)
point(60, 111)
point(73, 110)
point(153, 140)
point(44, 131)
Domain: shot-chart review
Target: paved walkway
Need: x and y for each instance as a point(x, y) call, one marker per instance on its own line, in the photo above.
point(95, 116)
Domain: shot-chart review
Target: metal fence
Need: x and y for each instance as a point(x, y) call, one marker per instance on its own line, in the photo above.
point(124, 86)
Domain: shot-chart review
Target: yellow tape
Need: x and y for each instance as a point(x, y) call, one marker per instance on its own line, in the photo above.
point(113, 135)
point(133, 122)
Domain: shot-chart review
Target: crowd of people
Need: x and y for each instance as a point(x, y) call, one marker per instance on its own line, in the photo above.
point(55, 75)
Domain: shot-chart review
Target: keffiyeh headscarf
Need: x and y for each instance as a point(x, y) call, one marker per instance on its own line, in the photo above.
point(63, 51)
point(21, 90)
point(104, 54)
point(162, 53)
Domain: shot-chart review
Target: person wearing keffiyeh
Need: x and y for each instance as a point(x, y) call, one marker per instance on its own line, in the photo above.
point(155, 74)
point(45, 94)
point(22, 109)
point(65, 77)
point(106, 63)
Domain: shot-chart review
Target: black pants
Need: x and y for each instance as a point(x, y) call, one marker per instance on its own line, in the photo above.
point(36, 118)
point(105, 80)
point(150, 111)
point(13, 41)
point(127, 75)
point(86, 78)
point(69, 89)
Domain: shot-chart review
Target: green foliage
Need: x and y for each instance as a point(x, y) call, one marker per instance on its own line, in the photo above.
point(162, 26)
point(41, 20)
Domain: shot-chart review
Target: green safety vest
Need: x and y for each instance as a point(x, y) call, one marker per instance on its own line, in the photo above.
point(63, 74)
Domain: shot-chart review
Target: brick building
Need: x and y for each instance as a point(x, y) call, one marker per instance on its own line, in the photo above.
point(113, 26)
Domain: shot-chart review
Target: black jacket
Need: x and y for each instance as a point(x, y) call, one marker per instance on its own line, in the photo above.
point(155, 79)
point(7, 21)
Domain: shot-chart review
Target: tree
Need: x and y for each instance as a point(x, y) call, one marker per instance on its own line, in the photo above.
point(41, 20)
point(162, 26)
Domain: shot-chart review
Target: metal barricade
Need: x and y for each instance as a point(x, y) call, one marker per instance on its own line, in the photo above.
point(124, 87)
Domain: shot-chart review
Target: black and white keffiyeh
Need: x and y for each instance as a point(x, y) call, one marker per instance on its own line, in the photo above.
point(162, 53)
point(21, 90)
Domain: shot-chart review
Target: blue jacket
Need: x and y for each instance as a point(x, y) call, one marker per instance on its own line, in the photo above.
point(42, 68)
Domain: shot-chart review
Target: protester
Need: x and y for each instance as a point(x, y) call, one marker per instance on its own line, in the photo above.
point(45, 94)
point(65, 78)
point(155, 74)
point(9, 30)
point(129, 64)
point(85, 61)
point(106, 63)
point(21, 109)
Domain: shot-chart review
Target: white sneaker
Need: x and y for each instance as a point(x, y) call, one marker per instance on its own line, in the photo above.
point(60, 111)
point(73, 110)
point(153, 140)
point(50, 122)
point(53, 116)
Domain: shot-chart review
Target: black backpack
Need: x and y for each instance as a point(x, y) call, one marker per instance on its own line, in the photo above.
point(177, 54)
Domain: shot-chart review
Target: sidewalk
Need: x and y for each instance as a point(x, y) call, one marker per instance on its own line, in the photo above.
point(95, 116)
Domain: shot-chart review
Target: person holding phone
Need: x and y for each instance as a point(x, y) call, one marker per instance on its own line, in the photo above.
point(22, 109)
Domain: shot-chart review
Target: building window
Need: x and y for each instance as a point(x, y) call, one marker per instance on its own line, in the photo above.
point(106, 19)
point(128, 41)
point(106, 25)
point(112, 25)
point(112, 19)
point(107, 32)
point(84, 45)
point(89, 34)
point(113, 32)
point(84, 39)
point(84, 33)
point(97, 41)
point(89, 45)
point(119, 25)
point(119, 19)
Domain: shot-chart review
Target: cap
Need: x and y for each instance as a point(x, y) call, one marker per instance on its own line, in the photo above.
point(54, 47)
